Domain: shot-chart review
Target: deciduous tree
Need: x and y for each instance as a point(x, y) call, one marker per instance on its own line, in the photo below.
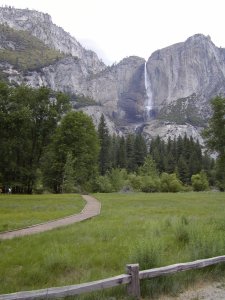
point(214, 136)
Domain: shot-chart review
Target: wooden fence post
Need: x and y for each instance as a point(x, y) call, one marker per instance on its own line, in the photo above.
point(133, 288)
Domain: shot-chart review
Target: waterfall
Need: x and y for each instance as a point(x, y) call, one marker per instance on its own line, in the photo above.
point(149, 101)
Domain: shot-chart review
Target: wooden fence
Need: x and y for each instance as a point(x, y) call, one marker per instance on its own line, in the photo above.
point(132, 279)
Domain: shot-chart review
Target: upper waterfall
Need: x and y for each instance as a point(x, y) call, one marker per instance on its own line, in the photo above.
point(149, 100)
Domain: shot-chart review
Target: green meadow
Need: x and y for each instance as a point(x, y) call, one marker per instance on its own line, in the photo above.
point(18, 211)
point(153, 230)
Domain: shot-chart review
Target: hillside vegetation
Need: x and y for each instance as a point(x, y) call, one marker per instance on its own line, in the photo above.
point(24, 51)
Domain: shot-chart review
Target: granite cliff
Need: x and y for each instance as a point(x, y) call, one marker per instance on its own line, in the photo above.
point(167, 95)
point(40, 25)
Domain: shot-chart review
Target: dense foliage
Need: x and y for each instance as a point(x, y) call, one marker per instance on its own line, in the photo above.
point(158, 166)
point(215, 138)
point(28, 118)
point(46, 146)
point(70, 162)
point(182, 156)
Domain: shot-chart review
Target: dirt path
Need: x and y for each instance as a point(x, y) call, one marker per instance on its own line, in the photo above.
point(91, 209)
point(206, 291)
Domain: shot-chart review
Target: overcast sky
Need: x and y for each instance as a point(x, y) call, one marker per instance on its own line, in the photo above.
point(119, 28)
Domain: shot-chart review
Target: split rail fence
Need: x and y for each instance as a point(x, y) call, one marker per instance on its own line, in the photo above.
point(131, 278)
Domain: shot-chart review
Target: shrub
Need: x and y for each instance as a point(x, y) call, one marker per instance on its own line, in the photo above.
point(199, 182)
point(103, 184)
point(150, 184)
point(170, 183)
point(135, 181)
point(117, 179)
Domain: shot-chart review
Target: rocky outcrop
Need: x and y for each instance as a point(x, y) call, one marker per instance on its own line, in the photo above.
point(120, 89)
point(40, 25)
point(165, 130)
point(195, 66)
point(95, 113)
point(68, 75)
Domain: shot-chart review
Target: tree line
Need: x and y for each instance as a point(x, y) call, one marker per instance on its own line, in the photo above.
point(47, 146)
point(182, 158)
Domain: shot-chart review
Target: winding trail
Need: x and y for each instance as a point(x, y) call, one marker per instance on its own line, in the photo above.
point(91, 209)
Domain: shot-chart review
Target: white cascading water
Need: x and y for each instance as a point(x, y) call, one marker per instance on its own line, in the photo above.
point(149, 100)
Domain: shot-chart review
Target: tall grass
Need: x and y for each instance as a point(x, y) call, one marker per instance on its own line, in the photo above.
point(150, 229)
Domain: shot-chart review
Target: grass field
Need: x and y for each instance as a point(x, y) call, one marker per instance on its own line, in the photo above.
point(18, 211)
point(149, 229)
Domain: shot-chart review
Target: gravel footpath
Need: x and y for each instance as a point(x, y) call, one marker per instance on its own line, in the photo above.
point(91, 209)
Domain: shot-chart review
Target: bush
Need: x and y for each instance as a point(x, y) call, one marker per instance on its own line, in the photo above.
point(200, 182)
point(111, 182)
point(103, 185)
point(117, 179)
point(135, 181)
point(170, 183)
point(150, 184)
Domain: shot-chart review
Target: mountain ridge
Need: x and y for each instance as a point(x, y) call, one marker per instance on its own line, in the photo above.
point(41, 26)
point(183, 78)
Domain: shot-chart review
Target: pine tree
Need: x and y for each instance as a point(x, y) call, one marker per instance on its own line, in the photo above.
point(183, 170)
point(149, 167)
point(121, 158)
point(171, 163)
point(130, 153)
point(114, 151)
point(104, 154)
point(140, 150)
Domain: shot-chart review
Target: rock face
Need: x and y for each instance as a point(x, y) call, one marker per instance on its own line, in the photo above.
point(40, 25)
point(196, 66)
point(120, 89)
point(182, 78)
point(170, 129)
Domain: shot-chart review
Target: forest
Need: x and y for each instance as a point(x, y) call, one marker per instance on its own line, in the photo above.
point(46, 146)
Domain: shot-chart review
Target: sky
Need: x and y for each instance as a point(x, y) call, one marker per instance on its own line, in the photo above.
point(115, 29)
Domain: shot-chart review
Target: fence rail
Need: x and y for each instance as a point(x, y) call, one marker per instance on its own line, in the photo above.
point(132, 279)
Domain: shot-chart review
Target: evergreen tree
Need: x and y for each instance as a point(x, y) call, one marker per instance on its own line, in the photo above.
point(104, 154)
point(121, 156)
point(114, 151)
point(140, 150)
point(183, 170)
point(130, 153)
point(180, 147)
point(149, 167)
point(171, 163)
